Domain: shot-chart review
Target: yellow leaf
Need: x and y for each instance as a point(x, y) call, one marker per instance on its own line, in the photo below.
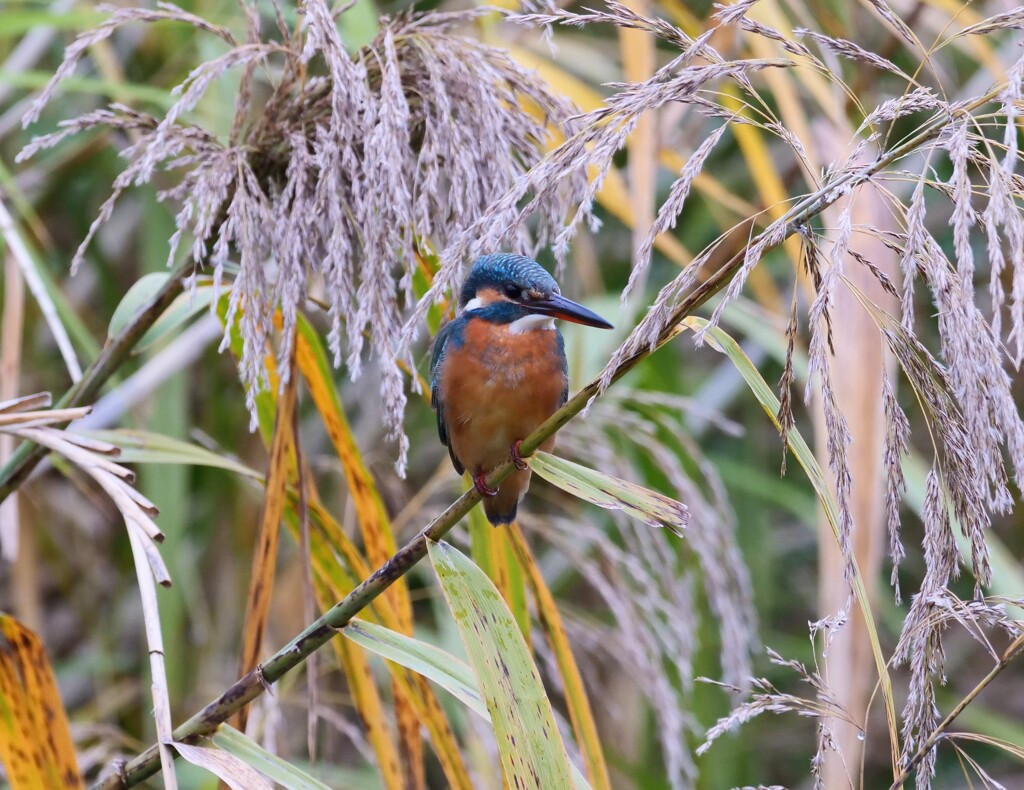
point(35, 742)
point(374, 524)
point(264, 561)
point(327, 542)
point(368, 704)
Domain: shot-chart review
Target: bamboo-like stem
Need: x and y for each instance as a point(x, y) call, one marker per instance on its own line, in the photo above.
point(114, 353)
point(318, 633)
point(1015, 649)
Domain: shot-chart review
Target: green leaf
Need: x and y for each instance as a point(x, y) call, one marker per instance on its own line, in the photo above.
point(273, 767)
point(145, 447)
point(236, 773)
point(358, 24)
point(144, 289)
point(18, 21)
point(447, 671)
point(611, 493)
point(178, 313)
point(531, 749)
point(721, 341)
point(185, 307)
point(121, 91)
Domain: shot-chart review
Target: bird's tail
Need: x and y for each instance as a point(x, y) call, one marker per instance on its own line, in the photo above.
point(501, 508)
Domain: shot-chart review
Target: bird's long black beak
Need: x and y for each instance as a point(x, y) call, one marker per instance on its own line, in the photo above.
point(557, 306)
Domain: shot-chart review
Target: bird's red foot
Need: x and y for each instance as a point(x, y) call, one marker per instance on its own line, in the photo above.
point(517, 458)
point(480, 483)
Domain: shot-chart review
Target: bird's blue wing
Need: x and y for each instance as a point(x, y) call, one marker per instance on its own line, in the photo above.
point(450, 335)
point(565, 368)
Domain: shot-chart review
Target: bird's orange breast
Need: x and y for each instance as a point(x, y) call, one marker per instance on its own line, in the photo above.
point(497, 387)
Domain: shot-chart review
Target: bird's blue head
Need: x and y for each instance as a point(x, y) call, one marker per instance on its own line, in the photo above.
point(506, 278)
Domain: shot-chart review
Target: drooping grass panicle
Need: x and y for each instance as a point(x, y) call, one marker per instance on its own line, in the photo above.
point(897, 441)
point(673, 206)
point(768, 699)
point(647, 587)
point(851, 50)
point(354, 161)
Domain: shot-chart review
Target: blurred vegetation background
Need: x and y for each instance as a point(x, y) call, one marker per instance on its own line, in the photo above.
point(641, 613)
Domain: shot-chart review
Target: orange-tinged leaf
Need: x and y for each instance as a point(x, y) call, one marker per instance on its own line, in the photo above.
point(366, 699)
point(428, 711)
point(35, 742)
point(580, 713)
point(374, 524)
point(327, 542)
point(264, 561)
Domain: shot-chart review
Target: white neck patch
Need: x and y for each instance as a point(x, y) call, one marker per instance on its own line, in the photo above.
point(529, 323)
point(473, 304)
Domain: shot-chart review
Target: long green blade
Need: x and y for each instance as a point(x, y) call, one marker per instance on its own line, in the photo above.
point(611, 493)
point(273, 767)
point(531, 749)
point(447, 671)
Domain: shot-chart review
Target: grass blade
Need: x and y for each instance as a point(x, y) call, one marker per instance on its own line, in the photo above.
point(576, 699)
point(611, 493)
point(450, 673)
point(270, 765)
point(530, 746)
point(235, 773)
point(720, 341)
point(147, 447)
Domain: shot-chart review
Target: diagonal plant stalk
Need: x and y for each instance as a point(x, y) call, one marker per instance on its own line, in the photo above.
point(318, 633)
point(1013, 651)
point(114, 354)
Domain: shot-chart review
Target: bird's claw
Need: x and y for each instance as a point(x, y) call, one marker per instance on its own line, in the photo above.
point(480, 483)
point(517, 457)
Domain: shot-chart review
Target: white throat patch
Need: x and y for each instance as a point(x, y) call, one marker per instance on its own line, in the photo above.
point(529, 323)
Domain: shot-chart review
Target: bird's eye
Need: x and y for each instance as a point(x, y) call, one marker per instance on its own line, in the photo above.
point(513, 292)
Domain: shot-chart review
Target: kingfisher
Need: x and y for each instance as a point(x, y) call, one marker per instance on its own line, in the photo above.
point(498, 370)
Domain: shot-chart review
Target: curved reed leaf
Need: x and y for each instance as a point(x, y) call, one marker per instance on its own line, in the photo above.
point(720, 341)
point(450, 673)
point(146, 447)
point(531, 749)
point(234, 772)
point(270, 765)
point(611, 493)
